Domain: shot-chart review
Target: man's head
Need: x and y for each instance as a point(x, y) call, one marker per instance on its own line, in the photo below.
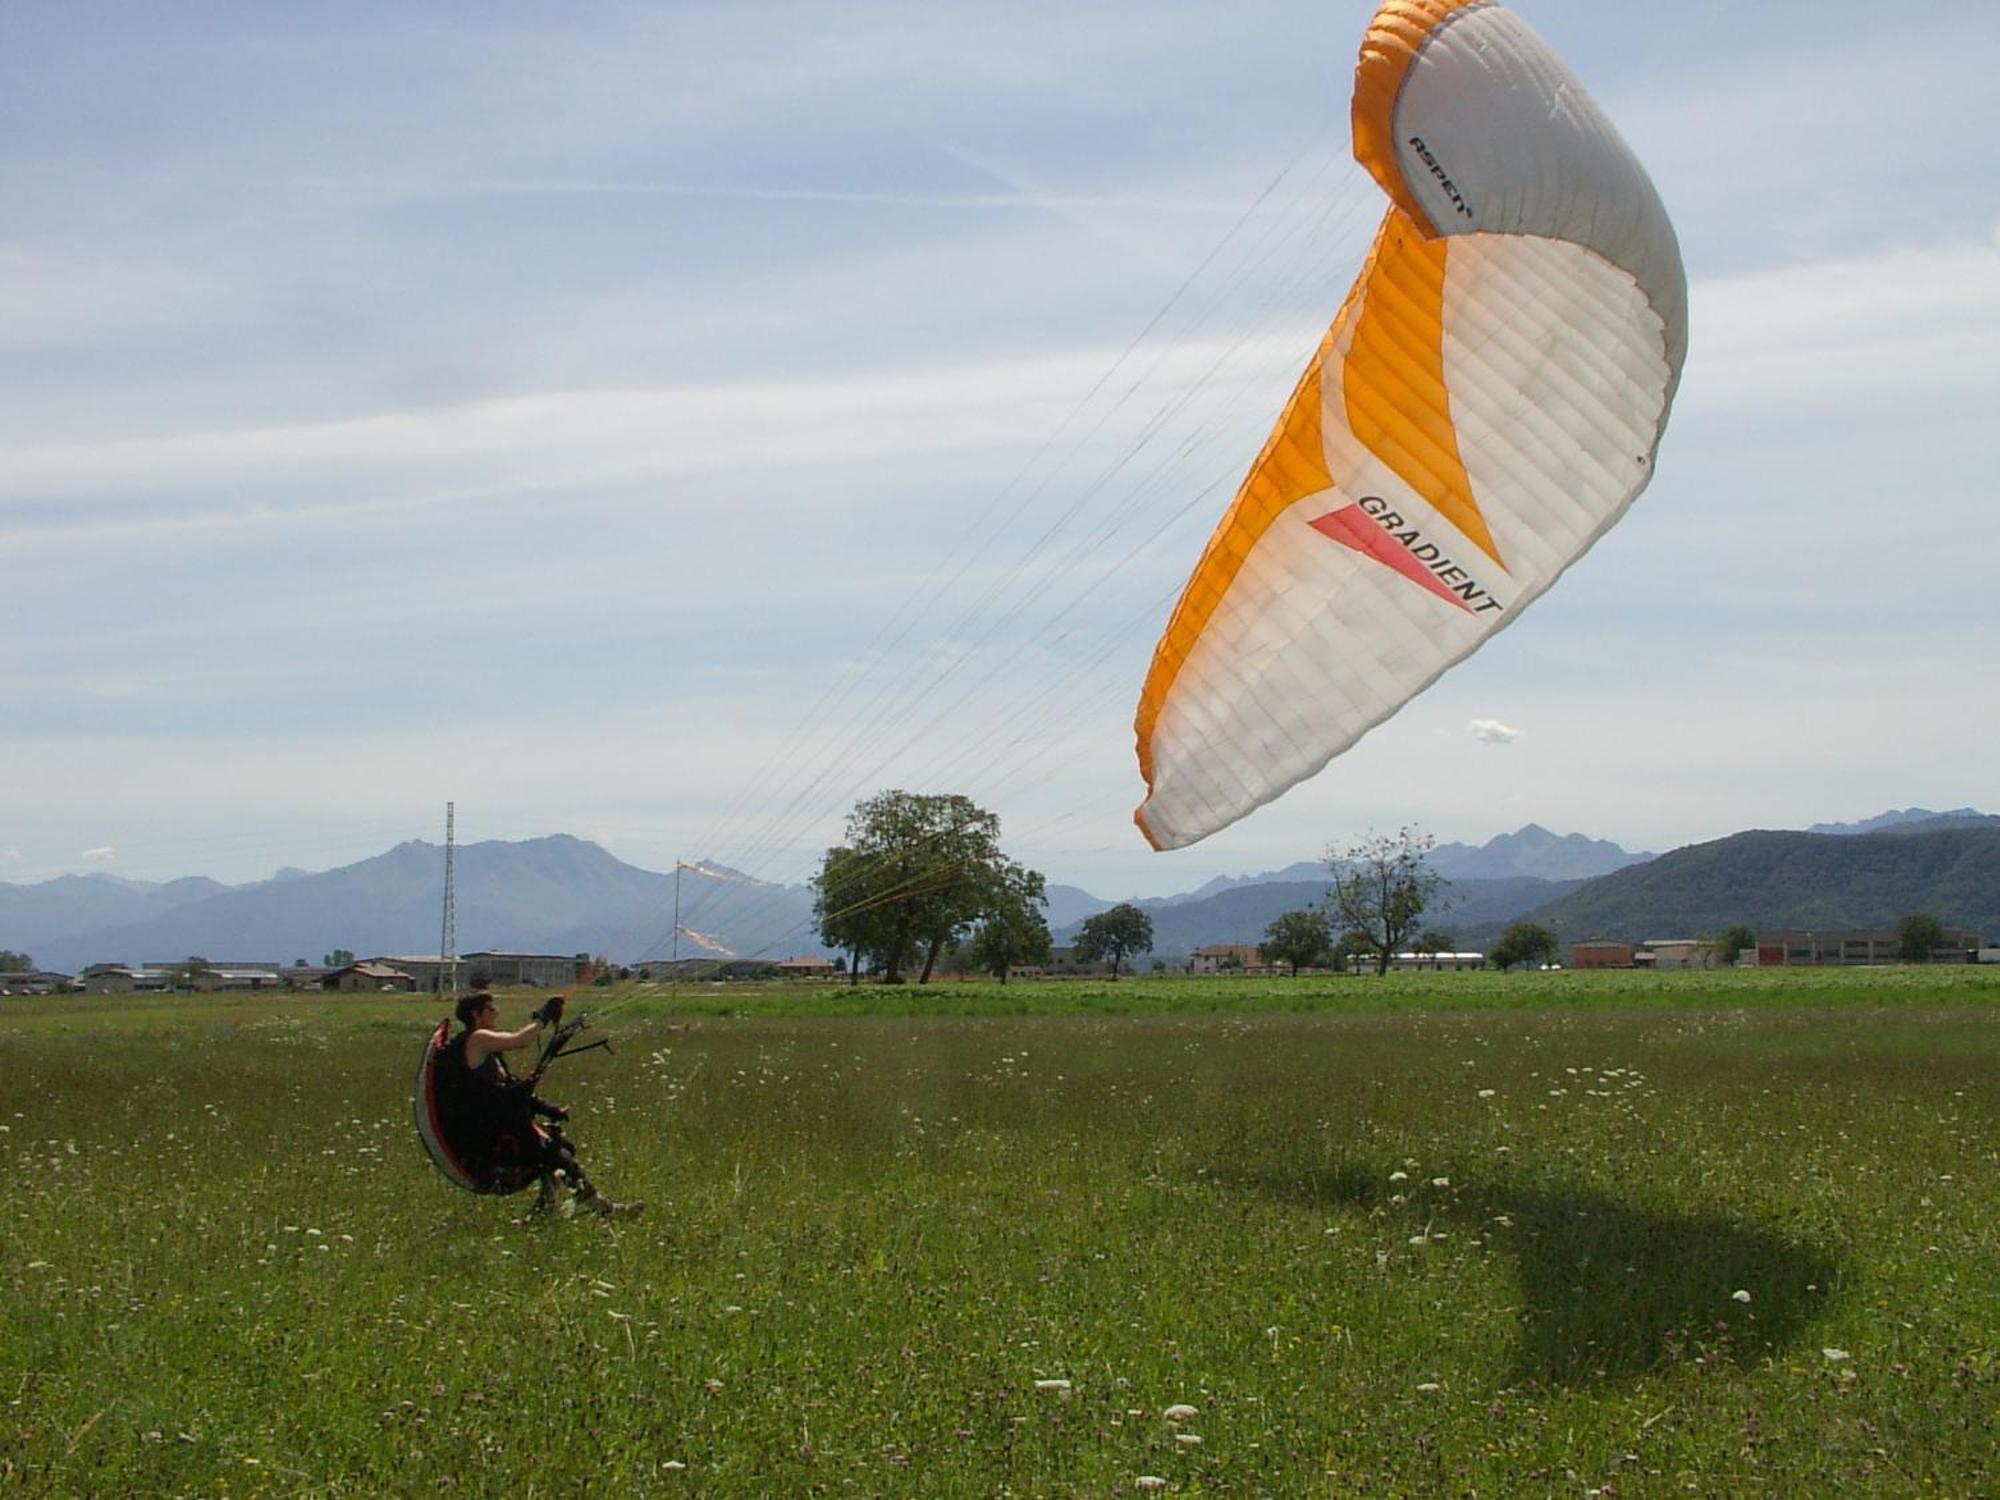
point(476, 1009)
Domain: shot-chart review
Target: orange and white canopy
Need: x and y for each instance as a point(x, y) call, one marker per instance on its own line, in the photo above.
point(1486, 405)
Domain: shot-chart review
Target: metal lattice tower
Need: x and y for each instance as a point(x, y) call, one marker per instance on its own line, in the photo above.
point(448, 941)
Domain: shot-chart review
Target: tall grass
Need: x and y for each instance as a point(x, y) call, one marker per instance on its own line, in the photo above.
point(1451, 1234)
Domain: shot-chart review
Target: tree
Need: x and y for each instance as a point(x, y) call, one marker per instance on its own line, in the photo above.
point(1431, 942)
point(917, 871)
point(1918, 936)
point(1297, 938)
point(15, 963)
point(849, 906)
point(1733, 941)
point(1113, 934)
point(1349, 946)
point(1524, 943)
point(340, 958)
point(189, 970)
point(1013, 931)
point(1381, 888)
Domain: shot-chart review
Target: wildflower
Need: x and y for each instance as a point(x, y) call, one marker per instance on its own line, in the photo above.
point(1399, 1176)
point(1486, 1093)
point(1836, 1355)
point(1440, 1182)
point(1179, 1412)
point(1740, 1295)
point(1430, 1385)
point(1059, 1386)
point(1149, 1482)
point(1192, 1439)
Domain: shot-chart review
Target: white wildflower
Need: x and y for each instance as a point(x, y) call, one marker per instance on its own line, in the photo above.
point(1440, 1182)
point(1399, 1176)
point(1740, 1295)
point(1149, 1482)
point(1836, 1355)
point(1430, 1385)
point(1180, 1411)
point(1060, 1386)
point(1192, 1439)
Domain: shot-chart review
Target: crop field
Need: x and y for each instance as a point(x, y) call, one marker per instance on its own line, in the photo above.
point(1566, 1234)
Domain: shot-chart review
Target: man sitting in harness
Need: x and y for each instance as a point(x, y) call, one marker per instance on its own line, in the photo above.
point(495, 1113)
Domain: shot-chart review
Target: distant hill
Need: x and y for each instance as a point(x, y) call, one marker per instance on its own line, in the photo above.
point(1785, 879)
point(1912, 820)
point(33, 916)
point(1068, 904)
point(1239, 914)
point(565, 895)
point(1529, 851)
point(549, 895)
point(1533, 851)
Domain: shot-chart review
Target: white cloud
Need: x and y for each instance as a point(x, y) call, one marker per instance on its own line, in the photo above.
point(1909, 322)
point(102, 855)
point(63, 299)
point(481, 450)
point(1492, 732)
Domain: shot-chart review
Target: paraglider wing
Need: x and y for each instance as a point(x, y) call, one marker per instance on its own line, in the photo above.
point(1485, 406)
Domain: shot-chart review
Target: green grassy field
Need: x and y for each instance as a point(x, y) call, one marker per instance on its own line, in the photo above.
point(1563, 1234)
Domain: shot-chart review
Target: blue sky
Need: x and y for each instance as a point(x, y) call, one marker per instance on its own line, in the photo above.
point(670, 423)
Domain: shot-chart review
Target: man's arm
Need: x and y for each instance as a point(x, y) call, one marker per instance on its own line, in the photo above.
point(483, 1044)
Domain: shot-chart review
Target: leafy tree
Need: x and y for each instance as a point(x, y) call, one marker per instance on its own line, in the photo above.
point(189, 970)
point(1381, 888)
point(1432, 942)
point(340, 958)
point(1524, 943)
point(1297, 938)
point(15, 963)
point(1734, 940)
point(1113, 934)
point(850, 905)
point(1013, 931)
point(916, 872)
point(1918, 936)
point(1349, 946)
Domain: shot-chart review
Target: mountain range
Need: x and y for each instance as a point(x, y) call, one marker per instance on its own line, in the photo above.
point(561, 894)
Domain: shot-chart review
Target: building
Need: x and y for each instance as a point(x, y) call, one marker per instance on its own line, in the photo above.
point(123, 979)
point(806, 966)
point(542, 970)
point(1601, 953)
point(1675, 953)
point(1218, 958)
point(1812, 947)
point(1433, 963)
point(371, 975)
point(1062, 963)
point(32, 982)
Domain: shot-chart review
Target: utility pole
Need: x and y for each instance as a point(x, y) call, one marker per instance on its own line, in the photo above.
point(448, 940)
point(674, 984)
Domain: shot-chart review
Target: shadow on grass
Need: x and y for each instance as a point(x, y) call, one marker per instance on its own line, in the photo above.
point(1609, 1291)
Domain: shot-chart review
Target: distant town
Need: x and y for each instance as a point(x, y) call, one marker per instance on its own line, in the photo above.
point(428, 973)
